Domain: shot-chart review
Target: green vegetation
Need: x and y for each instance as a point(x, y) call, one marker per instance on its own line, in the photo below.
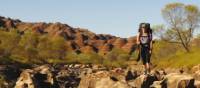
point(168, 55)
point(34, 48)
point(116, 58)
point(30, 48)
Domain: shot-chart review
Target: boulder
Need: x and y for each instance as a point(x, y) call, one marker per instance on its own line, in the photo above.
point(137, 68)
point(38, 77)
point(142, 81)
point(157, 84)
point(26, 80)
point(131, 75)
point(101, 79)
point(196, 72)
point(67, 79)
point(197, 84)
point(177, 80)
point(109, 83)
point(89, 80)
point(197, 75)
point(160, 74)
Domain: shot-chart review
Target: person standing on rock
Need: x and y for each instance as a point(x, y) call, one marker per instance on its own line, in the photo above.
point(144, 40)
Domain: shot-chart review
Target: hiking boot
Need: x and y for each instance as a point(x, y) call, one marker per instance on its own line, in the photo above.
point(145, 72)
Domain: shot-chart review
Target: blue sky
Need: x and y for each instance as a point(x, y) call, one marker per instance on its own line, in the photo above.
point(116, 17)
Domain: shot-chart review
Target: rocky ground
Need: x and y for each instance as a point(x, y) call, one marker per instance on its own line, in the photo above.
point(97, 76)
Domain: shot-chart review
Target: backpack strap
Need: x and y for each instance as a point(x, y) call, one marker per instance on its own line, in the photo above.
point(150, 35)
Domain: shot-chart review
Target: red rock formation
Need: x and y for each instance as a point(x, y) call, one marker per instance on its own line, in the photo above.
point(81, 39)
point(131, 39)
point(88, 49)
point(77, 38)
point(119, 42)
point(129, 46)
point(105, 49)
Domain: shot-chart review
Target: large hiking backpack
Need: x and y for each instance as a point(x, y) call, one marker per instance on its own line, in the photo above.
point(148, 26)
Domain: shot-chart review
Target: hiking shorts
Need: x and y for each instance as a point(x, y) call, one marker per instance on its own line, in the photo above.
point(145, 55)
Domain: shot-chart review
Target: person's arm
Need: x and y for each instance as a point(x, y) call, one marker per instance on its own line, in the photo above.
point(137, 39)
point(151, 44)
point(138, 46)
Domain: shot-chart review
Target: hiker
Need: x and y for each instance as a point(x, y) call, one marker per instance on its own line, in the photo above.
point(144, 40)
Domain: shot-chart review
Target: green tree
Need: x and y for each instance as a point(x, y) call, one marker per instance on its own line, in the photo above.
point(71, 57)
point(51, 48)
point(183, 20)
point(87, 58)
point(27, 47)
point(58, 47)
point(116, 58)
point(8, 42)
point(165, 34)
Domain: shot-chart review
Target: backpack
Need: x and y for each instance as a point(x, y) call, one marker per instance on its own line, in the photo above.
point(150, 30)
point(148, 26)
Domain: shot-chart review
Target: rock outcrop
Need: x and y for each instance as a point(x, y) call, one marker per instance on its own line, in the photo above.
point(96, 76)
point(102, 79)
point(36, 78)
point(175, 80)
point(196, 72)
point(79, 38)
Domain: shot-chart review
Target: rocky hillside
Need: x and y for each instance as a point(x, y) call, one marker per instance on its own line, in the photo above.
point(79, 40)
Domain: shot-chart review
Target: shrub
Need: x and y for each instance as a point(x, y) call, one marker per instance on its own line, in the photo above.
point(8, 42)
point(90, 58)
point(116, 58)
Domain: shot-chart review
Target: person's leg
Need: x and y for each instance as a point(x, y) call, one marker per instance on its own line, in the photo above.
point(148, 68)
point(143, 56)
point(147, 60)
point(145, 69)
